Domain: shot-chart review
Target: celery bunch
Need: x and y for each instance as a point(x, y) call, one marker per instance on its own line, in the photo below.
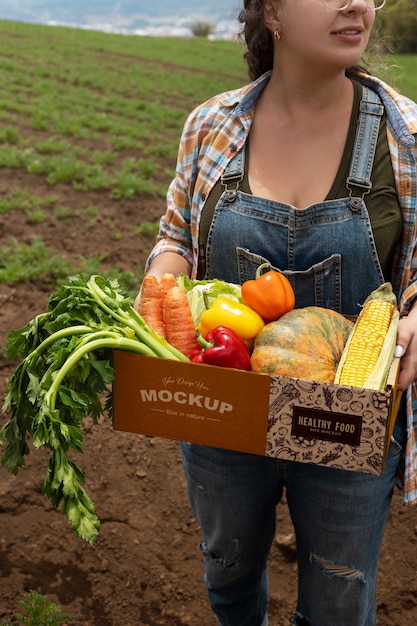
point(64, 372)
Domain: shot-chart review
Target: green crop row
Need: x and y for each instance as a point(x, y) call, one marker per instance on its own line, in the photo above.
point(85, 100)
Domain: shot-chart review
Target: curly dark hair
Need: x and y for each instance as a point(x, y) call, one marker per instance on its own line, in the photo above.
point(256, 36)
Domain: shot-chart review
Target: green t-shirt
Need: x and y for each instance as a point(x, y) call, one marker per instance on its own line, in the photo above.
point(381, 202)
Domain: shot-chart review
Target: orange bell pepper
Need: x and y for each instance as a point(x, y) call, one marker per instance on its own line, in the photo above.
point(270, 294)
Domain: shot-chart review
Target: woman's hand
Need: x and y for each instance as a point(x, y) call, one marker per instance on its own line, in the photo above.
point(166, 262)
point(407, 348)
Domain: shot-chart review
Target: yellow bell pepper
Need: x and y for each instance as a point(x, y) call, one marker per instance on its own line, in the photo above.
point(243, 320)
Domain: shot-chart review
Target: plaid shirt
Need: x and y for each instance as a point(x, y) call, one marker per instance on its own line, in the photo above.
point(212, 135)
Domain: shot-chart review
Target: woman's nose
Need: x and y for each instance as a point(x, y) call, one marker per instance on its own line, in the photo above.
point(358, 6)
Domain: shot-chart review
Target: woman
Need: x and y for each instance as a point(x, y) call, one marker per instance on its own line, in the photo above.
point(311, 168)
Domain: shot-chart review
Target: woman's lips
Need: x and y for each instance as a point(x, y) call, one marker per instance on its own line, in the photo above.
point(348, 34)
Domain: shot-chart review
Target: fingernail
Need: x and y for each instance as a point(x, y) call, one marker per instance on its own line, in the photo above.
point(398, 352)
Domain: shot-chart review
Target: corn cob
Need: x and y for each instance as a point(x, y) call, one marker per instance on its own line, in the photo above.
point(369, 350)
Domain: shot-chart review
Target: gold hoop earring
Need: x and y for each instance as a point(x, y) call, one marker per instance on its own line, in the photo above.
point(276, 35)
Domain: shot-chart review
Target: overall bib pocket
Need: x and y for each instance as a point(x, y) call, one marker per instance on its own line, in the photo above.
point(323, 279)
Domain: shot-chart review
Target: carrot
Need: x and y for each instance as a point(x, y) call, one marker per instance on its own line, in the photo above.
point(150, 305)
point(167, 281)
point(179, 322)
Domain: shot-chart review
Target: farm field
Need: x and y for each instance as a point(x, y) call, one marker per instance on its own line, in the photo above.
point(89, 129)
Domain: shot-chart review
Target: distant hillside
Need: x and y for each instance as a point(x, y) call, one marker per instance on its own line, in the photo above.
point(127, 15)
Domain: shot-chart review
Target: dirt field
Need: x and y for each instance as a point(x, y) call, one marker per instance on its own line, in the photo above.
point(144, 569)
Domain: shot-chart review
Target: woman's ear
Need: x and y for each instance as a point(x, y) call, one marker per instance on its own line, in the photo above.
point(271, 18)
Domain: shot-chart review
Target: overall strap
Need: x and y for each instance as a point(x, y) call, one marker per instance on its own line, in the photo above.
point(234, 174)
point(359, 179)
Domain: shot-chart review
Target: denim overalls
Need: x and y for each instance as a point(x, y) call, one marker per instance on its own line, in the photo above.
point(328, 253)
point(327, 250)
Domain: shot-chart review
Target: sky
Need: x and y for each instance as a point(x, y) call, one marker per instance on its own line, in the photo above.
point(120, 14)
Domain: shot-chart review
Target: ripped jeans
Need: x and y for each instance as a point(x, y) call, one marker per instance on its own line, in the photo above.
point(339, 519)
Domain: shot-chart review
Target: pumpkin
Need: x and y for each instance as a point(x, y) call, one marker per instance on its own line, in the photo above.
point(303, 343)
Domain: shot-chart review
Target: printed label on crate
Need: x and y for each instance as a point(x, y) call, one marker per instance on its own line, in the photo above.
point(172, 399)
point(306, 417)
point(188, 402)
point(315, 424)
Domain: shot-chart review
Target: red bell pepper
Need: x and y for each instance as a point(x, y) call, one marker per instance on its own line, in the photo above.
point(222, 347)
